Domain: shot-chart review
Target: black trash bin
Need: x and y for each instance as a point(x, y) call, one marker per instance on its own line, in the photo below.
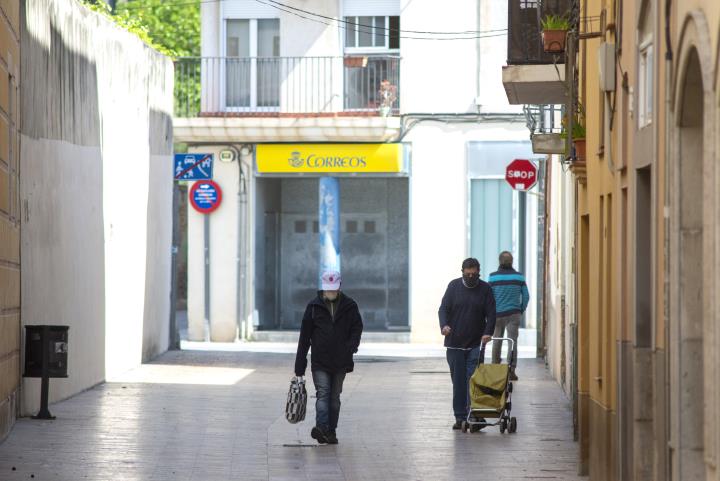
point(46, 355)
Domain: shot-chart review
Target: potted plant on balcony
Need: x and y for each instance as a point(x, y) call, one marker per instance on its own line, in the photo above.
point(554, 32)
point(578, 135)
point(388, 96)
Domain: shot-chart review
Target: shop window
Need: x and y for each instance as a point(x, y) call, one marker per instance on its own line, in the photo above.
point(351, 227)
point(369, 226)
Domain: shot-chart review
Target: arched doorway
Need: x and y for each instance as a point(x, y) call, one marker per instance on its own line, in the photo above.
point(687, 392)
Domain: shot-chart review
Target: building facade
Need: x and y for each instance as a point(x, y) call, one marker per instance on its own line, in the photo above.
point(632, 329)
point(284, 87)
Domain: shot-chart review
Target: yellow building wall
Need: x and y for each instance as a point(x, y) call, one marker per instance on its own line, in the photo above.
point(9, 213)
point(604, 208)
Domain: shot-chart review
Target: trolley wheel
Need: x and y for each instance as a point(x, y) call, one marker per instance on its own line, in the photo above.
point(503, 425)
point(465, 426)
point(513, 425)
point(510, 387)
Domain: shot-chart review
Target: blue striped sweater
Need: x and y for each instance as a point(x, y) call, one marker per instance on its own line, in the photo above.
point(510, 290)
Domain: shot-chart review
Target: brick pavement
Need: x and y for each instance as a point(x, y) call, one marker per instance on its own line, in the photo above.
point(210, 416)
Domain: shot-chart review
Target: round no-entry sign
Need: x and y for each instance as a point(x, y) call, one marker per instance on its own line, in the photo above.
point(521, 174)
point(205, 196)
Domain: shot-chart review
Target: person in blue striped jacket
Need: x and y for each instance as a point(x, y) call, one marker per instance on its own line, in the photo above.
point(511, 300)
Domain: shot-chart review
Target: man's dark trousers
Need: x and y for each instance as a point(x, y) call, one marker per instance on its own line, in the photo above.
point(462, 364)
point(328, 387)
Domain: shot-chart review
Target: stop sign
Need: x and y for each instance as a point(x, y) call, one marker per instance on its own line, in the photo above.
point(521, 174)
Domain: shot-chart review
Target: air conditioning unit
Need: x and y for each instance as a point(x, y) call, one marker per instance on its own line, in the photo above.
point(606, 58)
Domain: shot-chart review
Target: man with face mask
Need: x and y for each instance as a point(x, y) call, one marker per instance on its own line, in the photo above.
point(467, 320)
point(512, 298)
point(332, 325)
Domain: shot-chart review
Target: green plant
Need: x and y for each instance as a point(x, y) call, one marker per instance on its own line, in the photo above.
point(578, 130)
point(555, 22)
point(578, 126)
point(172, 29)
point(130, 24)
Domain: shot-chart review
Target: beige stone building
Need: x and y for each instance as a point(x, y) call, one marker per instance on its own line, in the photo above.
point(632, 330)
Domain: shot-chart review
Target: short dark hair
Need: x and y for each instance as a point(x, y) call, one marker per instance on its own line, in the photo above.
point(506, 256)
point(471, 263)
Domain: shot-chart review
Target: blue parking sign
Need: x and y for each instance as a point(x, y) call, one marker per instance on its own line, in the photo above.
point(193, 166)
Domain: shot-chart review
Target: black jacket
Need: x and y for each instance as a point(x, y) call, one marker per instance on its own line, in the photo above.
point(470, 313)
point(334, 340)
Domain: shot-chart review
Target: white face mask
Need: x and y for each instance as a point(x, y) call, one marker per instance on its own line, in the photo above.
point(330, 295)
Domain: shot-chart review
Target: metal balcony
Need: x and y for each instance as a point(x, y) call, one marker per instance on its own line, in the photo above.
point(287, 86)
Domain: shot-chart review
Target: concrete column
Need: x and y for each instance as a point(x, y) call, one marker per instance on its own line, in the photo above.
point(224, 256)
point(219, 309)
point(329, 220)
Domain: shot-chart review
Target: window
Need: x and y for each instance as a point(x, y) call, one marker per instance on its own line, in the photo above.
point(646, 66)
point(372, 33)
point(252, 72)
point(645, 86)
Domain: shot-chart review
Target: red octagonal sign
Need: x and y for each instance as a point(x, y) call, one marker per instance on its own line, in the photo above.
point(521, 174)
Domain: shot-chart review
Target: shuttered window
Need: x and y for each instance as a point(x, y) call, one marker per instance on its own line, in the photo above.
point(374, 33)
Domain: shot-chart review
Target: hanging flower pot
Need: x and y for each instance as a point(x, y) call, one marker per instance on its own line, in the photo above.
point(355, 62)
point(554, 40)
point(579, 149)
point(554, 33)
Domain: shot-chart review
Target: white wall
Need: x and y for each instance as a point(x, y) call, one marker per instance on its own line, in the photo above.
point(438, 76)
point(97, 190)
point(493, 55)
point(439, 212)
point(454, 75)
point(224, 258)
point(561, 226)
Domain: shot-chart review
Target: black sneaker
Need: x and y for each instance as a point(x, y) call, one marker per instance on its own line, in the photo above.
point(513, 376)
point(332, 438)
point(458, 425)
point(319, 435)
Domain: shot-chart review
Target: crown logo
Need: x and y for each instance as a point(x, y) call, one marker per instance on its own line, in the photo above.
point(295, 160)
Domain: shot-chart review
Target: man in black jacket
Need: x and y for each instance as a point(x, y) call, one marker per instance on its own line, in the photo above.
point(332, 325)
point(467, 320)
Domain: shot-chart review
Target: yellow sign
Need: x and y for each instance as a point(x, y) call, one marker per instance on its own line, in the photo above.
point(329, 158)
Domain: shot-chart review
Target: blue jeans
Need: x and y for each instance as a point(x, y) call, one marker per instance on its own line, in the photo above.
point(328, 387)
point(462, 366)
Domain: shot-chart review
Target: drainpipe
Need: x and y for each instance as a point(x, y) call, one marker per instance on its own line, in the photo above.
point(478, 43)
point(240, 268)
point(666, 215)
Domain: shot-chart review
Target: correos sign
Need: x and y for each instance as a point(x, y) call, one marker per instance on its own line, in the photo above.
point(329, 158)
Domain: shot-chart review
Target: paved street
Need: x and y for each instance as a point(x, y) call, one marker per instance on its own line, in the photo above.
point(210, 416)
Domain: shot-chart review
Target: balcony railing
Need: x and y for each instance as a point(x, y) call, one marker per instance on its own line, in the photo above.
point(286, 86)
point(525, 44)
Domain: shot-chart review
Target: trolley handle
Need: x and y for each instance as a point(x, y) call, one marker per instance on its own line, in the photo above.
point(481, 358)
